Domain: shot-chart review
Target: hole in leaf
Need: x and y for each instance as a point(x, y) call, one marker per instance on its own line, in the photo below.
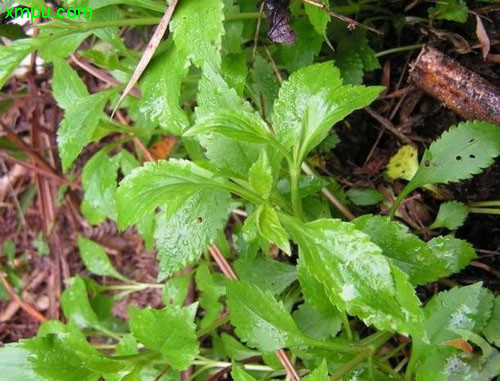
point(427, 163)
point(199, 220)
point(472, 140)
point(459, 158)
point(472, 156)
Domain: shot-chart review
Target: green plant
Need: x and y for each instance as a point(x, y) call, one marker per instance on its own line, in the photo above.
point(350, 287)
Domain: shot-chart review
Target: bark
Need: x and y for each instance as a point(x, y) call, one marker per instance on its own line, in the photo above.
point(459, 88)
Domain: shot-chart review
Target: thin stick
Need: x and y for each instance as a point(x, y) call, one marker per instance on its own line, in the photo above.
point(150, 50)
point(351, 23)
point(25, 306)
point(229, 273)
point(387, 124)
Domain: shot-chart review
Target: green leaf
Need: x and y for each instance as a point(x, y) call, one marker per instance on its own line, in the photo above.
point(260, 176)
point(446, 314)
point(317, 323)
point(453, 10)
point(170, 331)
point(459, 153)
point(311, 102)
point(319, 374)
point(264, 83)
point(266, 273)
point(238, 125)
point(313, 290)
point(99, 180)
point(306, 47)
point(451, 215)
point(364, 197)
point(491, 331)
point(197, 27)
point(234, 349)
point(155, 184)
point(356, 276)
point(234, 69)
point(67, 86)
point(229, 155)
point(176, 290)
point(259, 319)
point(78, 126)
point(12, 55)
point(181, 238)
point(210, 291)
point(423, 262)
point(238, 374)
point(161, 89)
point(269, 227)
point(96, 260)
point(318, 17)
point(76, 306)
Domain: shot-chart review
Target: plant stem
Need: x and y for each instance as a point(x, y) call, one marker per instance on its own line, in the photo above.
point(294, 187)
point(485, 210)
point(399, 49)
point(362, 356)
point(482, 204)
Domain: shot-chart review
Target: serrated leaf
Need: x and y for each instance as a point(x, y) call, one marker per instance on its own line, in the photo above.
point(492, 331)
point(78, 126)
point(238, 125)
point(451, 215)
point(156, 184)
point(269, 227)
point(234, 69)
point(446, 314)
point(266, 273)
point(161, 89)
point(311, 102)
point(181, 238)
point(96, 260)
point(404, 164)
point(356, 276)
point(12, 55)
point(318, 17)
point(460, 153)
point(197, 27)
point(424, 263)
point(67, 86)
point(170, 331)
point(230, 155)
point(259, 319)
point(99, 180)
point(260, 176)
point(319, 374)
point(453, 10)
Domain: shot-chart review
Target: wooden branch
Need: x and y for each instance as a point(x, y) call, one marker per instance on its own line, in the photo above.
point(460, 89)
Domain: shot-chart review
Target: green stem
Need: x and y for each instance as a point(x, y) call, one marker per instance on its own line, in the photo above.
point(294, 185)
point(485, 210)
point(362, 356)
point(398, 50)
point(482, 204)
point(335, 346)
point(347, 327)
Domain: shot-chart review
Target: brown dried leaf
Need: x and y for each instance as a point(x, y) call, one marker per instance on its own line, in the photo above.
point(482, 36)
point(460, 344)
point(278, 14)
